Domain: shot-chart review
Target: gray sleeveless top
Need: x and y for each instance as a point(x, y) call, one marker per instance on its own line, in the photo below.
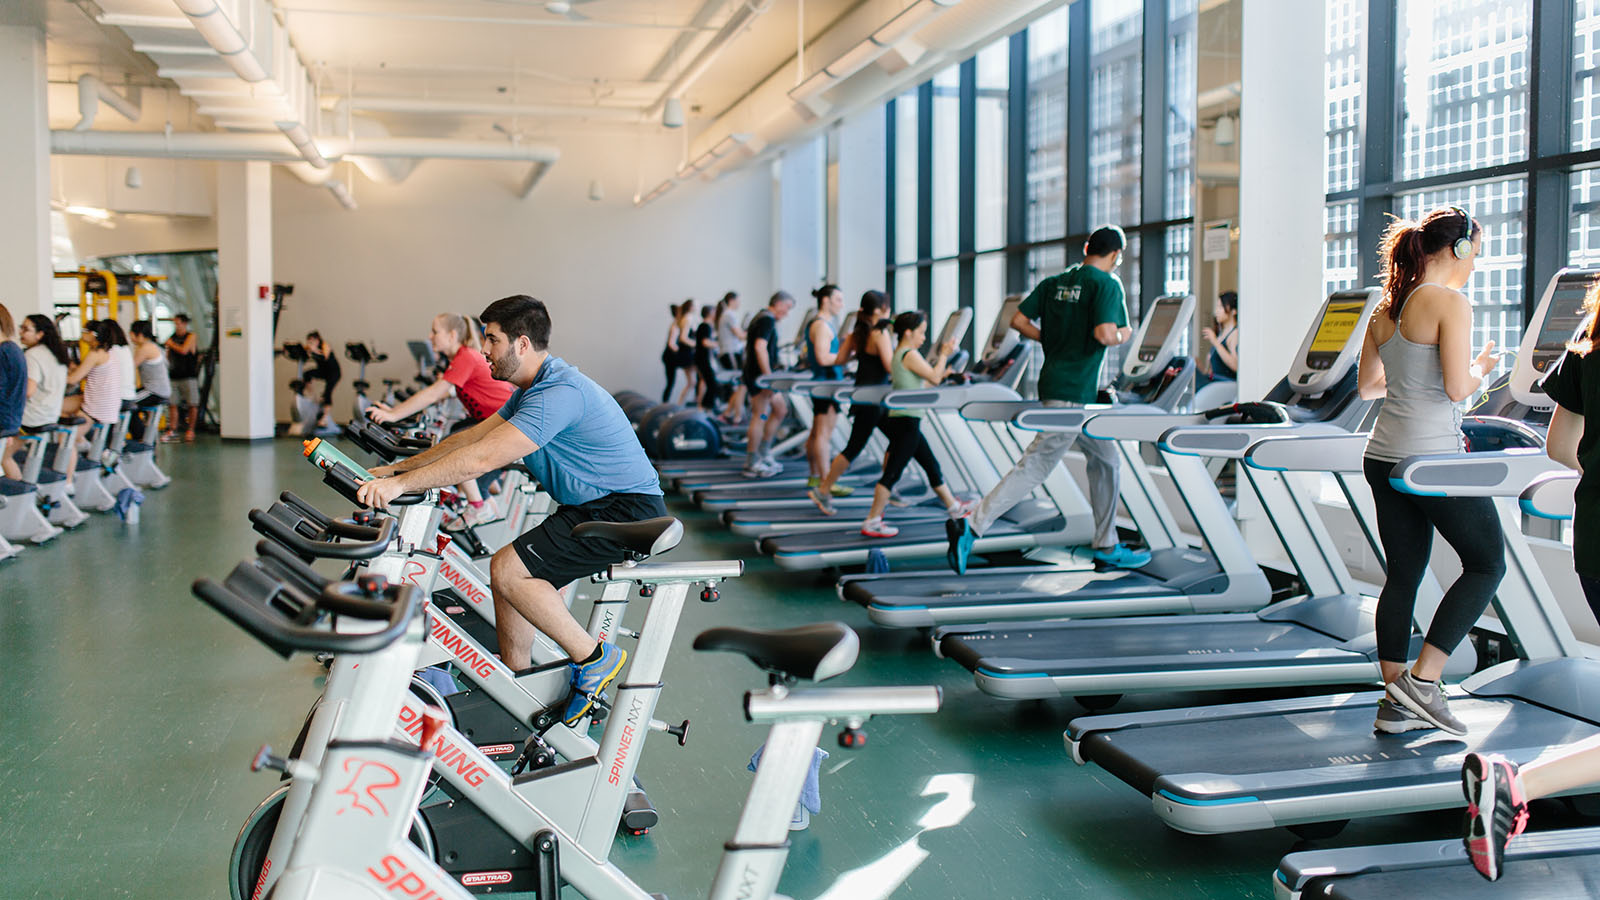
point(153, 376)
point(1417, 416)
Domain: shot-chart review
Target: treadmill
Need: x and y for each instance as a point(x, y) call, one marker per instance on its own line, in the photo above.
point(791, 492)
point(1247, 766)
point(1155, 374)
point(971, 457)
point(1318, 393)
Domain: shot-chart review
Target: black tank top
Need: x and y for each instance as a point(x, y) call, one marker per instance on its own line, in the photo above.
point(870, 370)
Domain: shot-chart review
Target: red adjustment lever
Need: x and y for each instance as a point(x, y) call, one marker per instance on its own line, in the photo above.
point(440, 542)
point(433, 720)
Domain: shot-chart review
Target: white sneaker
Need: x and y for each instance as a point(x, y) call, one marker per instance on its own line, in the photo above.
point(878, 528)
point(801, 820)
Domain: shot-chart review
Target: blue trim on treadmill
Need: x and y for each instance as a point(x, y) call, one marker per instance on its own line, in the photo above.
point(1400, 485)
point(1221, 801)
point(1167, 448)
point(1538, 513)
point(892, 608)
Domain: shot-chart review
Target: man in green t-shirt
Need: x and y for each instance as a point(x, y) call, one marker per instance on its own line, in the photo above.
point(1080, 313)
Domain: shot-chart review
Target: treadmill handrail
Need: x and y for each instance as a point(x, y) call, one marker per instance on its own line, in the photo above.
point(784, 381)
point(1148, 427)
point(1221, 441)
point(947, 396)
point(1308, 453)
point(833, 389)
point(995, 410)
point(1073, 418)
point(1552, 495)
point(1495, 473)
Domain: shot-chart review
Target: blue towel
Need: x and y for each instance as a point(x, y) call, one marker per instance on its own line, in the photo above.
point(811, 791)
point(127, 498)
point(440, 679)
point(877, 562)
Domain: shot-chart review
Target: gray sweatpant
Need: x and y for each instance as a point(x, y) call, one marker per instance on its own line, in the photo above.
point(1036, 464)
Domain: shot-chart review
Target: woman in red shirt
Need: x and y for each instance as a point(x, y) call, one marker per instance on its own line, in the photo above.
point(468, 379)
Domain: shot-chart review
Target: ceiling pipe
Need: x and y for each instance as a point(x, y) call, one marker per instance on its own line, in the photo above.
point(342, 194)
point(425, 106)
point(91, 91)
point(276, 148)
point(213, 24)
point(738, 20)
point(891, 35)
point(300, 137)
point(532, 179)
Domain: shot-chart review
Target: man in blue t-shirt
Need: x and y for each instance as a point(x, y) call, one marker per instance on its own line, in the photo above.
point(579, 446)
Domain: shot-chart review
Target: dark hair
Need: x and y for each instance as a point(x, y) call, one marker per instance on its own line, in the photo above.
point(318, 336)
point(824, 292)
point(112, 327)
point(706, 311)
point(780, 297)
point(181, 317)
point(1104, 241)
point(686, 307)
point(1229, 301)
point(142, 329)
point(871, 302)
point(7, 325)
point(1406, 246)
point(1583, 343)
point(908, 321)
point(49, 336)
point(104, 335)
point(520, 316)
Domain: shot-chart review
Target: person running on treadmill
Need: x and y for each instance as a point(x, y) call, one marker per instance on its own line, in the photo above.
point(872, 343)
point(909, 371)
point(1417, 356)
point(730, 348)
point(825, 358)
point(705, 346)
point(1498, 790)
point(768, 408)
point(579, 446)
point(1080, 313)
point(469, 380)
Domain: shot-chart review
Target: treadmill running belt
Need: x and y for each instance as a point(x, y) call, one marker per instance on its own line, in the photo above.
point(1082, 648)
point(852, 539)
point(1319, 751)
point(1546, 879)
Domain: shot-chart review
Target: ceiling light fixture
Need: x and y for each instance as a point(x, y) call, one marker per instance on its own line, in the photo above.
point(672, 113)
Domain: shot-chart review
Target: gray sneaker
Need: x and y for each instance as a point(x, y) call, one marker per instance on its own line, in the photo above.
point(1395, 719)
point(1426, 700)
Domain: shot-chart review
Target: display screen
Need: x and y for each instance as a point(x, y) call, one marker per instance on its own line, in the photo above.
point(1564, 314)
point(1338, 323)
point(1002, 322)
point(1162, 318)
point(955, 327)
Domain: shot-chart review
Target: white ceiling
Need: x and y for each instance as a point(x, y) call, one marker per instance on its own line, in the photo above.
point(488, 51)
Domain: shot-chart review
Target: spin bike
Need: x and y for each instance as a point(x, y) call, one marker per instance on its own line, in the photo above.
point(361, 835)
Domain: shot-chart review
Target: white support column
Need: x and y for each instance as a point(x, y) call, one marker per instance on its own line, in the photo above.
point(1280, 186)
point(244, 298)
point(24, 161)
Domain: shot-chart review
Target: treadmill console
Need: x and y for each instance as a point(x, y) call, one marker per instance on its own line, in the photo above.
point(955, 328)
point(1002, 337)
point(1333, 345)
point(1159, 334)
point(1555, 321)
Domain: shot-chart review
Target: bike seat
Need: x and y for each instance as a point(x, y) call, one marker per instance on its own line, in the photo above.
point(651, 537)
point(812, 652)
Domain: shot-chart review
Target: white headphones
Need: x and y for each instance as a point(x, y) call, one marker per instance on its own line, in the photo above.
point(1462, 246)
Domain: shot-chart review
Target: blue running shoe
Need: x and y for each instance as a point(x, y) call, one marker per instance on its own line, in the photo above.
point(959, 531)
point(1121, 556)
point(590, 679)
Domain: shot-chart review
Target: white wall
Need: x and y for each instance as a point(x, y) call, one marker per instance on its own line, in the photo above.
point(455, 237)
point(799, 253)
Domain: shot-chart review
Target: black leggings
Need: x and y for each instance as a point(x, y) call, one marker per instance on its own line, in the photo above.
point(672, 378)
point(905, 444)
point(1591, 592)
point(1406, 523)
point(864, 417)
point(708, 378)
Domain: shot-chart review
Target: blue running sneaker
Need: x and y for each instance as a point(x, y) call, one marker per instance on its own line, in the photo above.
point(1121, 556)
point(959, 531)
point(590, 679)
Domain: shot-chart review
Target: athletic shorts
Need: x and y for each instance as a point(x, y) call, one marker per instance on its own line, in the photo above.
point(551, 552)
point(31, 430)
point(821, 406)
point(186, 391)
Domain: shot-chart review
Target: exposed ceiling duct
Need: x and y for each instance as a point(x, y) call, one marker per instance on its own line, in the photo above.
point(893, 34)
point(92, 92)
point(743, 14)
point(444, 107)
point(275, 148)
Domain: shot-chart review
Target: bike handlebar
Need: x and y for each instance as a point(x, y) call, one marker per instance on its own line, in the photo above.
point(284, 616)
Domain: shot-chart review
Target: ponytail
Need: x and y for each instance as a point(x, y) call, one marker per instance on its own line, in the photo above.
point(460, 326)
point(1406, 247)
point(1584, 341)
point(871, 302)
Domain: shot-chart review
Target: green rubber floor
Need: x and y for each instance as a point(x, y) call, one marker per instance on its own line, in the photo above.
point(131, 711)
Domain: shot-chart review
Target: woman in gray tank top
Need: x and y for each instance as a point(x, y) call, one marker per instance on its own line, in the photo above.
point(1417, 356)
